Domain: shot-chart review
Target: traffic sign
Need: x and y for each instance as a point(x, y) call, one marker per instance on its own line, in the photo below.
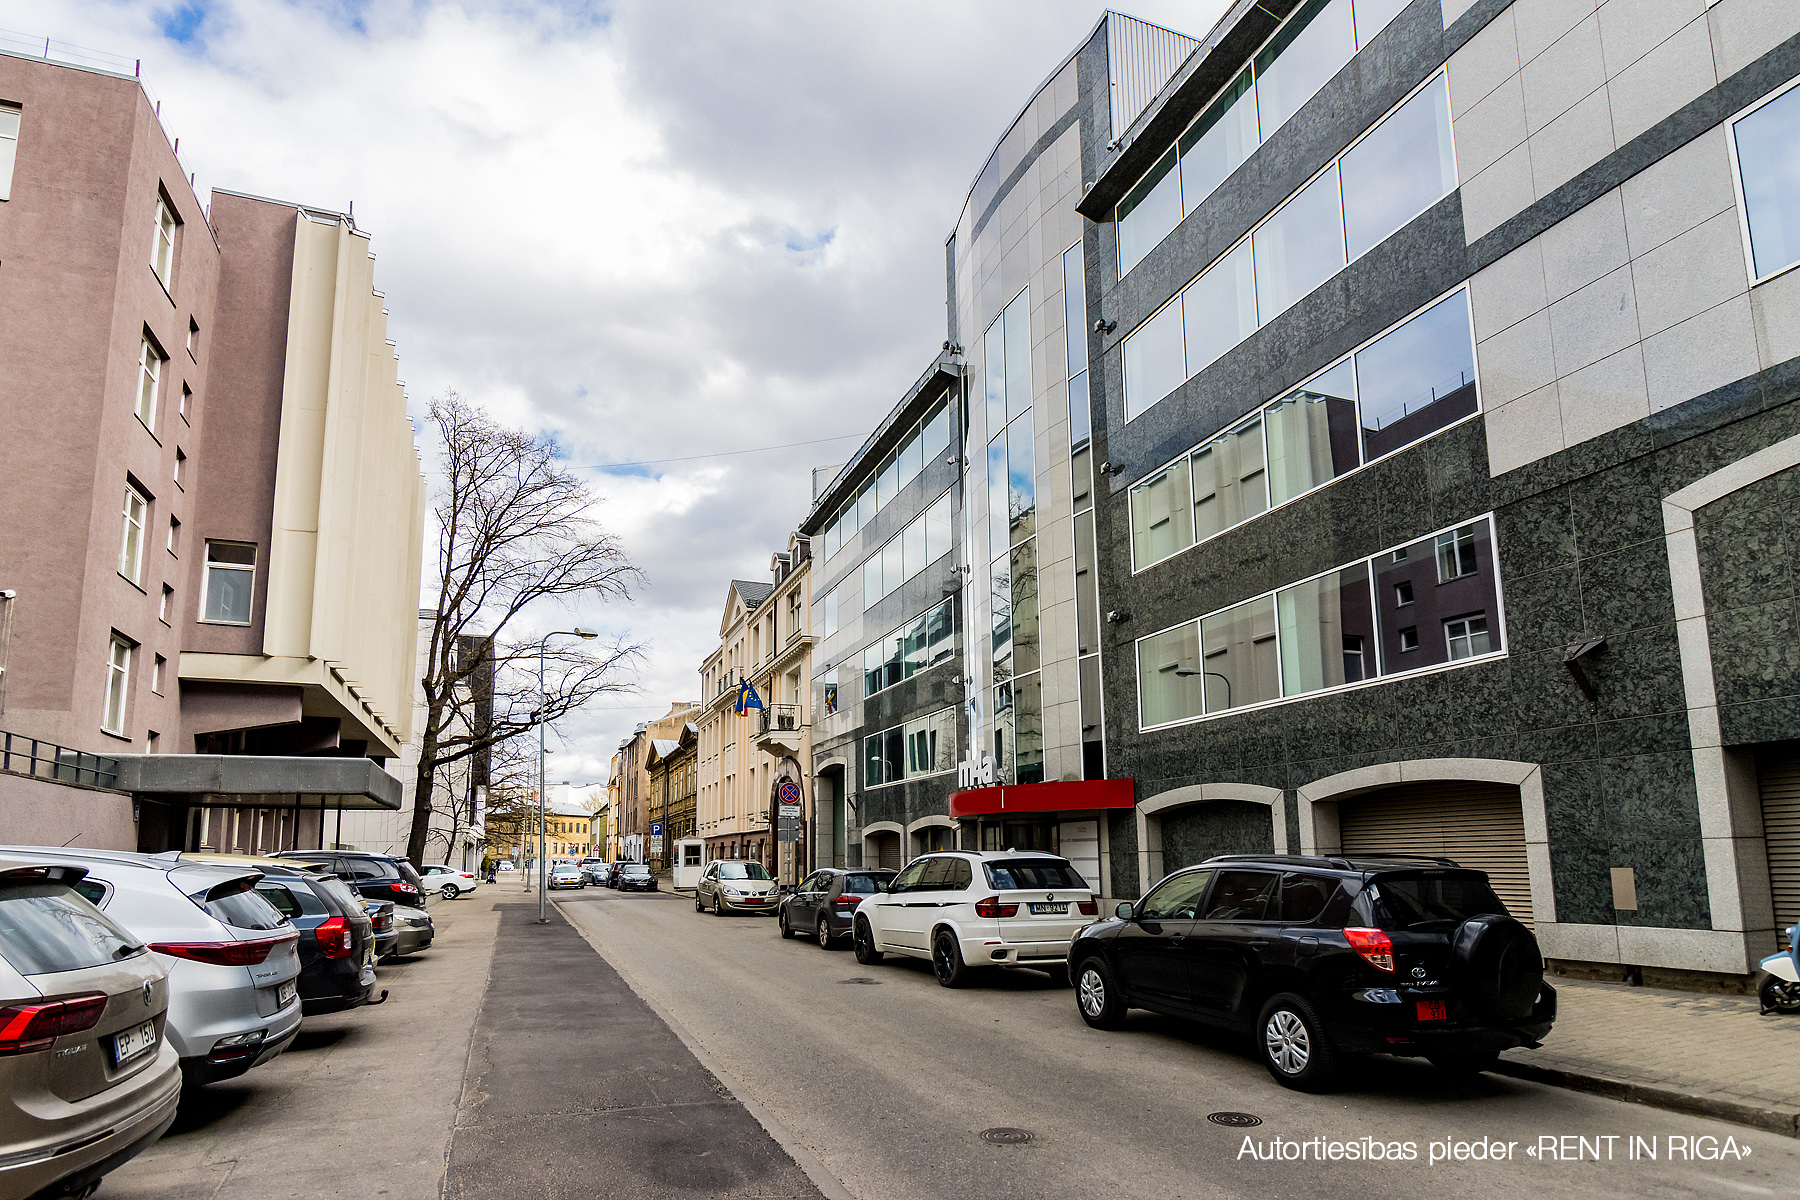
point(788, 811)
point(656, 829)
point(788, 793)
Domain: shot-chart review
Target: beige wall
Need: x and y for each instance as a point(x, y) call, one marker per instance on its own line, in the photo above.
point(39, 812)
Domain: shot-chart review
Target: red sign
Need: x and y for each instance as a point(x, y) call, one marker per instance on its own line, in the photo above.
point(1432, 1010)
point(1062, 796)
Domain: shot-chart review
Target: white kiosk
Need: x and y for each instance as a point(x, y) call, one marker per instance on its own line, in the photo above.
point(690, 860)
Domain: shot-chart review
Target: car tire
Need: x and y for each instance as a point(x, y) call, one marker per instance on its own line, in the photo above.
point(822, 934)
point(1292, 1043)
point(863, 938)
point(1097, 995)
point(782, 921)
point(1465, 1065)
point(699, 907)
point(718, 906)
point(947, 961)
point(451, 891)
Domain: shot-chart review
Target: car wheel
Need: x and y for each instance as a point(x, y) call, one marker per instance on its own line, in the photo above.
point(823, 933)
point(718, 908)
point(1293, 1044)
point(1465, 1065)
point(451, 892)
point(947, 961)
point(699, 907)
point(1101, 1003)
point(782, 921)
point(863, 938)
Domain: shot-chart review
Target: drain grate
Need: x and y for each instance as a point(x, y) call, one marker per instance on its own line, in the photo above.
point(1006, 1137)
point(1234, 1120)
point(861, 979)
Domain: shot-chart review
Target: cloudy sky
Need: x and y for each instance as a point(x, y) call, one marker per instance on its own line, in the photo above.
point(657, 228)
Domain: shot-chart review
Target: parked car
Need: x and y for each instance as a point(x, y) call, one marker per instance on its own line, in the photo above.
point(822, 905)
point(612, 872)
point(337, 939)
point(413, 930)
point(234, 999)
point(566, 875)
point(1322, 957)
point(381, 918)
point(730, 885)
point(377, 876)
point(636, 877)
point(88, 1076)
point(504, 865)
point(447, 881)
point(597, 872)
point(966, 910)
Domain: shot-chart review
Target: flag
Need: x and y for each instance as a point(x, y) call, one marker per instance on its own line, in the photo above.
point(747, 698)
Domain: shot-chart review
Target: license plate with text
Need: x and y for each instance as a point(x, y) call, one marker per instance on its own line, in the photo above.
point(1432, 1010)
point(285, 993)
point(1050, 910)
point(133, 1042)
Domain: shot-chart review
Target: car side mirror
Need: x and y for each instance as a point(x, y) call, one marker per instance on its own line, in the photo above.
point(1126, 911)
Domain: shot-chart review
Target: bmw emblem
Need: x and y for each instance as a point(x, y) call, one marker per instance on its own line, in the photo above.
point(1049, 895)
point(149, 993)
point(1418, 972)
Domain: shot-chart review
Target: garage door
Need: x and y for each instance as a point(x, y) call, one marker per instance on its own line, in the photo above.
point(887, 850)
point(1778, 774)
point(1480, 825)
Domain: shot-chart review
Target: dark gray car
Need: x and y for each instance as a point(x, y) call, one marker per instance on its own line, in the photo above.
point(821, 906)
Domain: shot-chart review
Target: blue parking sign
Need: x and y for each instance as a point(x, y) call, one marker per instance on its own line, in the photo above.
point(656, 829)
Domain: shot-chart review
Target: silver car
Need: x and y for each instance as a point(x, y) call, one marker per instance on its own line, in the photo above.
point(232, 959)
point(413, 930)
point(730, 885)
point(87, 1079)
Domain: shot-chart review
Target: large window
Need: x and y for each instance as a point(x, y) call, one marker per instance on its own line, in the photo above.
point(1299, 58)
point(825, 614)
point(1767, 144)
point(230, 583)
point(9, 147)
point(150, 370)
point(118, 680)
point(131, 534)
point(1405, 385)
point(162, 252)
point(922, 542)
point(917, 646)
point(925, 746)
point(1394, 172)
point(928, 440)
point(1426, 604)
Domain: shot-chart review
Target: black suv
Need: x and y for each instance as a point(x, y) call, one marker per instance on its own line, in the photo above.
point(1317, 957)
point(377, 876)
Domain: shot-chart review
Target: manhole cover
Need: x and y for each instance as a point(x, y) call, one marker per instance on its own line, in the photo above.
point(1234, 1120)
point(861, 979)
point(1006, 1137)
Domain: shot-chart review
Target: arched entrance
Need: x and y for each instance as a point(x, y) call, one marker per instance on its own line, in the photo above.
point(881, 845)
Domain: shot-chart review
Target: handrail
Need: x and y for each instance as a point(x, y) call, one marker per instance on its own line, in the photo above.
point(27, 755)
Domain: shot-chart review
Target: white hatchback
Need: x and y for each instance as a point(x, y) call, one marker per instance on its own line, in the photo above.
point(447, 881)
point(966, 910)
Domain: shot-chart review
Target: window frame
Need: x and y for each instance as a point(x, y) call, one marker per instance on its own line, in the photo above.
point(118, 685)
point(1737, 182)
point(163, 240)
point(151, 363)
point(6, 178)
point(141, 524)
point(207, 567)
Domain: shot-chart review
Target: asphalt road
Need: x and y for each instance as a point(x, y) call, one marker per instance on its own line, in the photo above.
point(887, 1080)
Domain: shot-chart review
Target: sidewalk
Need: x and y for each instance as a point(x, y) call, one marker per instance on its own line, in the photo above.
point(1690, 1052)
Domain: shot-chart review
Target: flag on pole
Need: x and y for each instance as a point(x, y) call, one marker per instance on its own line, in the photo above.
point(747, 698)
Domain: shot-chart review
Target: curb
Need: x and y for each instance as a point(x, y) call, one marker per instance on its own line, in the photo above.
point(1770, 1120)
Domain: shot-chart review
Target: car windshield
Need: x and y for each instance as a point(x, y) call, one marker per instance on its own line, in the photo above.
point(734, 870)
point(563, 871)
point(859, 885)
point(239, 905)
point(329, 885)
point(46, 927)
point(634, 869)
point(1411, 901)
point(1030, 874)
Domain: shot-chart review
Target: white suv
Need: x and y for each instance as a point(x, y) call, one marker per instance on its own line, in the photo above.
point(968, 910)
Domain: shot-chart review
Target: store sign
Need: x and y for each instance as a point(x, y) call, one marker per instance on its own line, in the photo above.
point(973, 773)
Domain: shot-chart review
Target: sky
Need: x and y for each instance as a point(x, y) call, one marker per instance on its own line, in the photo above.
point(656, 229)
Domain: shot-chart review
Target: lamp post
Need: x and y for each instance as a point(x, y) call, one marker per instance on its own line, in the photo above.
point(543, 710)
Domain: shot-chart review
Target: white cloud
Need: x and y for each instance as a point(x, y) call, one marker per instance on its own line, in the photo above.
point(658, 228)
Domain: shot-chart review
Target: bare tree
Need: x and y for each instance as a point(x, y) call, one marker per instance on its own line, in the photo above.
point(513, 532)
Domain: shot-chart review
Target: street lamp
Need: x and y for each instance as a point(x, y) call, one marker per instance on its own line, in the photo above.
point(544, 702)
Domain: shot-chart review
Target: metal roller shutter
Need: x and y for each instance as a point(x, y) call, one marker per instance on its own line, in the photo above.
point(1778, 776)
point(887, 851)
point(1480, 825)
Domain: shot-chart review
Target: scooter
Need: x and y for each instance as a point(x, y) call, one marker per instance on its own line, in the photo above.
point(1780, 990)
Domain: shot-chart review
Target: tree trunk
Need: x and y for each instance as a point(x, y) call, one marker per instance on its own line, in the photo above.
point(424, 777)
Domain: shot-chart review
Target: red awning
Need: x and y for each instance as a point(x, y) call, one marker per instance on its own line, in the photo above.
point(1071, 796)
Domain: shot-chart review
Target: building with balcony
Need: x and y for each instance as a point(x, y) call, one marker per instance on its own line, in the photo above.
point(211, 507)
point(1444, 364)
point(635, 801)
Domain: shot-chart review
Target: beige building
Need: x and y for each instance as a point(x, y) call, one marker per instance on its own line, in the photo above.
point(765, 638)
point(632, 832)
point(211, 506)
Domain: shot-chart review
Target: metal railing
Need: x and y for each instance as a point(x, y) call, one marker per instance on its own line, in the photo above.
point(780, 718)
point(47, 760)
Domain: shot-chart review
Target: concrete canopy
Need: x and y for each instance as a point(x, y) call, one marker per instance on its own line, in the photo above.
point(213, 780)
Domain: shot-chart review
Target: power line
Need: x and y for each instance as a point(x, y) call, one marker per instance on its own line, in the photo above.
point(656, 462)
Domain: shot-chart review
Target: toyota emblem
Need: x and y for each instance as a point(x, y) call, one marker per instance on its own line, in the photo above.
point(1418, 972)
point(149, 993)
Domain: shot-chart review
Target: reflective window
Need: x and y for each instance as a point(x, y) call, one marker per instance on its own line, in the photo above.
point(1148, 211)
point(887, 483)
point(917, 646)
point(1327, 631)
point(1312, 47)
point(1018, 357)
point(1176, 899)
point(1214, 145)
point(1021, 481)
point(926, 746)
point(1229, 480)
point(1161, 515)
point(1768, 157)
point(1238, 655)
point(1466, 636)
point(1417, 379)
point(1372, 17)
point(230, 582)
point(1240, 896)
point(997, 498)
point(1300, 246)
point(925, 538)
point(1154, 360)
point(1312, 434)
point(1303, 897)
point(936, 432)
point(1028, 730)
point(937, 529)
point(9, 146)
point(1445, 578)
point(1391, 176)
point(1169, 680)
point(1219, 309)
point(1024, 581)
point(46, 928)
point(927, 440)
point(1075, 310)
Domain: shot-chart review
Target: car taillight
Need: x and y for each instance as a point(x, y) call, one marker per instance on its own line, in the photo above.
point(380, 921)
point(249, 953)
point(334, 937)
point(400, 885)
point(848, 901)
point(1375, 947)
point(1088, 908)
point(28, 1027)
point(991, 907)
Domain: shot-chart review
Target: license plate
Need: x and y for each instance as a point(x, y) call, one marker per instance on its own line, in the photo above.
point(133, 1042)
point(1050, 910)
point(1432, 1010)
point(285, 993)
point(753, 900)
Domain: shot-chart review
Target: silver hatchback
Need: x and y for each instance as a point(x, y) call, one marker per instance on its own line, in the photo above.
point(232, 959)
